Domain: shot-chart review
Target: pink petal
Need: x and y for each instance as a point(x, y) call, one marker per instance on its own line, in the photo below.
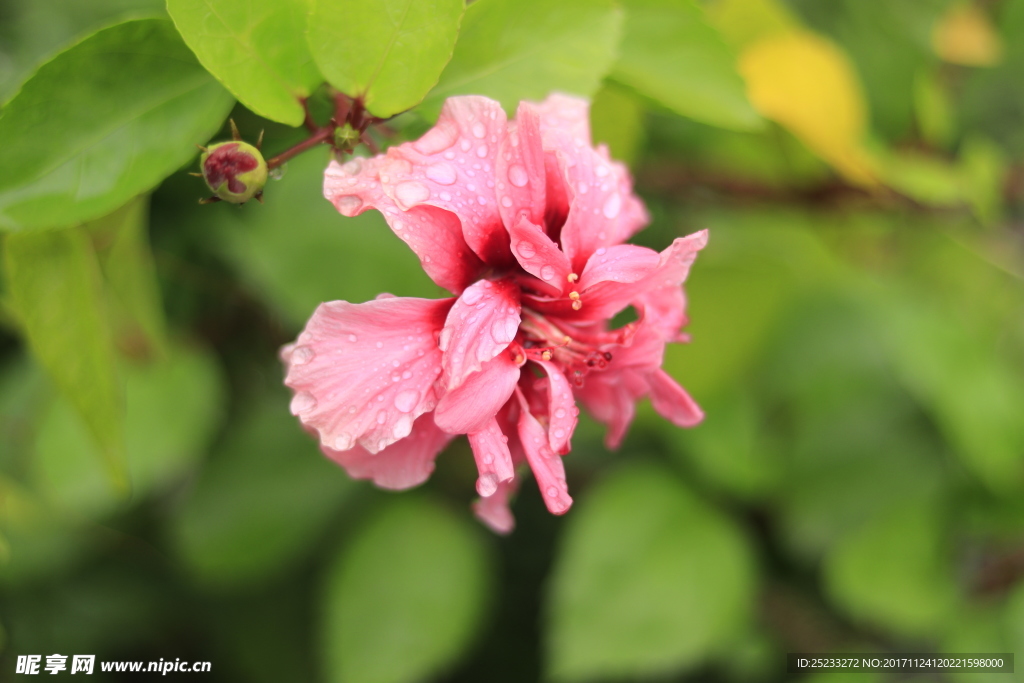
point(608, 398)
point(567, 115)
point(618, 263)
point(540, 256)
point(562, 409)
point(547, 467)
point(404, 464)
point(433, 234)
point(494, 511)
point(493, 459)
point(521, 178)
point(481, 324)
point(452, 167)
point(603, 209)
point(672, 401)
point(469, 407)
point(364, 372)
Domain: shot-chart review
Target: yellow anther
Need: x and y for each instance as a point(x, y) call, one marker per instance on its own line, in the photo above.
point(573, 277)
point(566, 340)
point(575, 296)
point(577, 305)
point(545, 355)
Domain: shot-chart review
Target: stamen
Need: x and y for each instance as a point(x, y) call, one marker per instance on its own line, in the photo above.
point(573, 277)
point(575, 296)
point(545, 355)
point(577, 305)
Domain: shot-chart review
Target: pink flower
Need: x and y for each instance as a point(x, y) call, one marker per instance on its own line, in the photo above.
point(525, 222)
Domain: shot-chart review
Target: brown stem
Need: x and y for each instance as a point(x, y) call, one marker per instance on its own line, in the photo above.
point(308, 122)
point(321, 135)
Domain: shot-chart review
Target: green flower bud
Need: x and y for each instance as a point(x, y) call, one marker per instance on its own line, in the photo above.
point(345, 138)
point(235, 171)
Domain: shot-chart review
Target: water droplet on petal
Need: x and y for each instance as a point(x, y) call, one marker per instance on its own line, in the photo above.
point(382, 417)
point(302, 402)
point(442, 173)
point(444, 339)
point(506, 201)
point(601, 171)
point(348, 204)
point(559, 433)
point(560, 413)
point(517, 175)
point(436, 140)
point(479, 130)
point(612, 206)
point(487, 457)
point(352, 167)
point(472, 295)
point(552, 492)
point(547, 273)
point(302, 355)
point(486, 485)
point(464, 146)
point(379, 345)
point(411, 193)
point(342, 442)
point(504, 331)
point(403, 427)
point(481, 151)
point(406, 400)
point(525, 249)
point(582, 187)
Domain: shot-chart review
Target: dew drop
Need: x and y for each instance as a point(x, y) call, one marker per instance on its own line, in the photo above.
point(612, 206)
point(449, 155)
point(582, 187)
point(353, 338)
point(601, 171)
point(352, 167)
point(504, 331)
point(446, 197)
point(382, 417)
point(302, 355)
point(601, 251)
point(472, 295)
point(403, 427)
point(436, 140)
point(559, 433)
point(379, 345)
point(486, 485)
point(560, 413)
point(478, 130)
point(481, 151)
point(445, 339)
point(481, 200)
point(348, 204)
point(506, 201)
point(407, 374)
point(465, 145)
point(547, 273)
point(517, 175)
point(411, 193)
point(302, 402)
point(552, 492)
point(342, 442)
point(406, 400)
point(442, 174)
point(525, 249)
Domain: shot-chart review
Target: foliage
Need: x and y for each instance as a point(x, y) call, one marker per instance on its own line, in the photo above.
point(857, 323)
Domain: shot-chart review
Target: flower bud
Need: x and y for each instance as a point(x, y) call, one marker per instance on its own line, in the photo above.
point(345, 138)
point(235, 171)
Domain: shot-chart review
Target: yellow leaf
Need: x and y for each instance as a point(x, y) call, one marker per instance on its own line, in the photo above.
point(964, 35)
point(808, 85)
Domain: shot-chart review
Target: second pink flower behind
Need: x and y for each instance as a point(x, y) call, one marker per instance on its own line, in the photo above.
point(525, 222)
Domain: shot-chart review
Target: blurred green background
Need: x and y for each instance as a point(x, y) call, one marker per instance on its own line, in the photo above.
point(858, 347)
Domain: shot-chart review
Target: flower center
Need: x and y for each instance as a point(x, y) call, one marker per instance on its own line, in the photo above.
point(580, 352)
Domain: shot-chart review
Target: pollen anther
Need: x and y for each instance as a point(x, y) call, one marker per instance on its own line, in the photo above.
point(573, 277)
point(574, 296)
point(577, 305)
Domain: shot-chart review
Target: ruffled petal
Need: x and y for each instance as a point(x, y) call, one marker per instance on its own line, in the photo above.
point(433, 234)
point(481, 324)
point(562, 409)
point(404, 464)
point(540, 256)
point(619, 263)
point(610, 397)
point(469, 407)
point(493, 459)
point(521, 178)
point(603, 210)
point(672, 401)
point(452, 167)
point(564, 118)
point(364, 372)
point(494, 510)
point(547, 467)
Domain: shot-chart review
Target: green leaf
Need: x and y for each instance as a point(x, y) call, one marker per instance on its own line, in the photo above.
point(617, 119)
point(256, 48)
point(406, 598)
point(127, 263)
point(173, 408)
point(56, 291)
point(102, 122)
point(330, 257)
point(649, 580)
point(671, 54)
point(262, 500)
point(390, 53)
point(512, 50)
point(892, 571)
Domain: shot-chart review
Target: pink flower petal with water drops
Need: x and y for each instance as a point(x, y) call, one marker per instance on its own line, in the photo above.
point(493, 459)
point(452, 167)
point(562, 409)
point(433, 234)
point(521, 178)
point(540, 256)
point(469, 407)
point(619, 263)
point(481, 324)
point(547, 466)
point(404, 464)
point(603, 209)
point(362, 373)
point(611, 399)
point(494, 511)
point(672, 401)
point(564, 117)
